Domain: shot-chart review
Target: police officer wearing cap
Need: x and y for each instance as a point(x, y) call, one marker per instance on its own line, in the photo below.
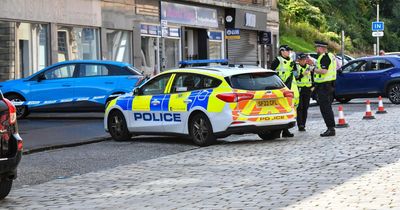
point(284, 66)
point(324, 78)
point(304, 83)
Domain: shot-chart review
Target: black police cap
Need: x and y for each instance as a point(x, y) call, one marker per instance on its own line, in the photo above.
point(302, 56)
point(320, 44)
point(285, 48)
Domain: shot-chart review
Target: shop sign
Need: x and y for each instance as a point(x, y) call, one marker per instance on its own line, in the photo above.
point(264, 37)
point(174, 32)
point(150, 30)
point(250, 20)
point(159, 31)
point(215, 35)
point(188, 15)
point(232, 34)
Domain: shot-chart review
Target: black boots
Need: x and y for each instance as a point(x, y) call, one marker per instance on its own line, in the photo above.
point(302, 128)
point(329, 132)
point(286, 133)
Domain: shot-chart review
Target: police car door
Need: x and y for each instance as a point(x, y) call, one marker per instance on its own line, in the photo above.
point(147, 106)
point(184, 90)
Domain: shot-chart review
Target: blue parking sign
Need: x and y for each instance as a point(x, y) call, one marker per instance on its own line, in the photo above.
point(378, 26)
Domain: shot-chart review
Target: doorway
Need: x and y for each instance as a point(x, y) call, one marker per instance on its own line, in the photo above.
point(195, 44)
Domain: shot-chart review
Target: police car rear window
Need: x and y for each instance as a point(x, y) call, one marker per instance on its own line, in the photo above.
point(255, 81)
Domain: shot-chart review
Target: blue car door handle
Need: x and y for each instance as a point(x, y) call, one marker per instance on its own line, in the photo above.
point(66, 85)
point(109, 83)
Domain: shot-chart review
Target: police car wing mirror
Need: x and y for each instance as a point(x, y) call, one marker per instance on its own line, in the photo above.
point(137, 91)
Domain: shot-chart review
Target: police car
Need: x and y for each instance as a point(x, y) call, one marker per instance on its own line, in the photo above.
point(204, 103)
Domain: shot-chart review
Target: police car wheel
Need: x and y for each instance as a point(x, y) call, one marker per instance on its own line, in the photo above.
point(22, 111)
point(394, 93)
point(117, 126)
point(270, 135)
point(201, 130)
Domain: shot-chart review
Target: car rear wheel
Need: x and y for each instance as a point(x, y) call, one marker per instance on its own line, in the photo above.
point(343, 100)
point(201, 131)
point(270, 135)
point(22, 111)
point(5, 188)
point(117, 126)
point(394, 93)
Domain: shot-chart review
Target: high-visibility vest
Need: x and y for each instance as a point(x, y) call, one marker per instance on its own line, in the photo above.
point(284, 69)
point(305, 80)
point(331, 74)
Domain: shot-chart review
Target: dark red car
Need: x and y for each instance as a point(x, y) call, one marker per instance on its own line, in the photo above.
point(10, 146)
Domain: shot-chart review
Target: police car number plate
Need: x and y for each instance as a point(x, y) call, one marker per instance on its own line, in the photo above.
point(267, 103)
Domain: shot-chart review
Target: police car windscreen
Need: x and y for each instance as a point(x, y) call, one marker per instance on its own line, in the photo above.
point(256, 81)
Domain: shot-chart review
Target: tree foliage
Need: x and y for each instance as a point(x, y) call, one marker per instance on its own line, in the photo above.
point(330, 17)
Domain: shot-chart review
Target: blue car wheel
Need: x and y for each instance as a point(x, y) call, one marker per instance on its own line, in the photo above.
point(22, 111)
point(394, 93)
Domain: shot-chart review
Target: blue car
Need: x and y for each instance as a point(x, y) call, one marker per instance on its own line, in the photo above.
point(79, 85)
point(369, 77)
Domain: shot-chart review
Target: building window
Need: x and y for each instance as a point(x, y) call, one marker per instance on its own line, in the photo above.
point(32, 41)
point(119, 45)
point(172, 52)
point(150, 55)
point(216, 48)
point(78, 43)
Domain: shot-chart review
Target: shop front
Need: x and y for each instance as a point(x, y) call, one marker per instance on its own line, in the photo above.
point(242, 35)
point(201, 36)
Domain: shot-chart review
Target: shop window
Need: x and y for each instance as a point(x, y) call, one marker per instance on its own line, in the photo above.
point(77, 43)
point(172, 49)
point(119, 45)
point(150, 55)
point(215, 50)
point(32, 48)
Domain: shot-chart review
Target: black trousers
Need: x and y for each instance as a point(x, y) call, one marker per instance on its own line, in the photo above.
point(302, 108)
point(325, 97)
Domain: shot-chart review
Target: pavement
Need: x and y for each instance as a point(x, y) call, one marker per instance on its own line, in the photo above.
point(359, 168)
point(43, 131)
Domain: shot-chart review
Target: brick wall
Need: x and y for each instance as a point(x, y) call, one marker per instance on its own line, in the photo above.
point(7, 50)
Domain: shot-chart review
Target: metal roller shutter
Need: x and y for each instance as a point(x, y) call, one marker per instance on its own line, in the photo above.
point(243, 50)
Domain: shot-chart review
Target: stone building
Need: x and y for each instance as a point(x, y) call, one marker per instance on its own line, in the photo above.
point(153, 35)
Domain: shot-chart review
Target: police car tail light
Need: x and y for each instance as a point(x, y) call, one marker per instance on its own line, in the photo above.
point(235, 97)
point(12, 110)
point(288, 94)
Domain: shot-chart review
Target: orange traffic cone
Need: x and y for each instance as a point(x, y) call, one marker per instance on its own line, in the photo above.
point(368, 114)
point(381, 109)
point(342, 122)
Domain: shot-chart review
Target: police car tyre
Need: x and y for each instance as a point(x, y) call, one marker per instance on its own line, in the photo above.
point(117, 126)
point(343, 100)
point(270, 135)
point(394, 93)
point(5, 188)
point(22, 111)
point(201, 131)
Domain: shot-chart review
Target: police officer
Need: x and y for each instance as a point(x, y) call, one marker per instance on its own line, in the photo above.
point(324, 78)
point(284, 66)
point(304, 83)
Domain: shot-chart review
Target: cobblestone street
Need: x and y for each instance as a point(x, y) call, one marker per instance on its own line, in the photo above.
point(359, 168)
